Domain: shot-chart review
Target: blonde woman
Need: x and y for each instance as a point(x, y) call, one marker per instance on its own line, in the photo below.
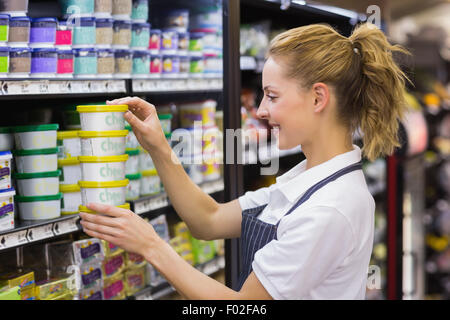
point(309, 235)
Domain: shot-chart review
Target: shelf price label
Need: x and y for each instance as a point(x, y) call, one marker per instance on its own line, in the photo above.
point(151, 204)
point(13, 239)
point(39, 233)
point(66, 226)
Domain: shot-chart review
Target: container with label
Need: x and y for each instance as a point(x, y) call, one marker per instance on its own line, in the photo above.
point(203, 112)
point(155, 41)
point(134, 187)
point(197, 67)
point(71, 171)
point(5, 169)
point(213, 66)
point(166, 122)
point(33, 161)
point(69, 144)
point(7, 209)
point(132, 164)
point(140, 36)
point(105, 63)
point(103, 143)
point(122, 9)
point(141, 64)
point(43, 32)
point(122, 34)
point(65, 64)
point(123, 63)
point(140, 10)
point(104, 33)
point(111, 193)
point(4, 61)
point(39, 207)
point(85, 63)
point(185, 66)
point(7, 141)
point(88, 251)
point(103, 8)
point(19, 31)
point(134, 280)
point(108, 168)
point(35, 136)
point(177, 19)
point(132, 142)
point(150, 183)
point(102, 118)
point(183, 43)
point(71, 199)
point(14, 7)
point(145, 160)
point(114, 287)
point(63, 35)
point(84, 34)
point(4, 29)
point(171, 66)
point(196, 43)
point(37, 184)
point(156, 66)
point(169, 41)
point(83, 8)
point(44, 62)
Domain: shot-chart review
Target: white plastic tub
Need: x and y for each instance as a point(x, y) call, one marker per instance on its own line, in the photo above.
point(33, 161)
point(110, 193)
point(145, 161)
point(71, 171)
point(131, 142)
point(39, 208)
point(69, 144)
point(35, 137)
point(150, 183)
point(103, 143)
point(71, 199)
point(6, 139)
point(132, 164)
point(111, 168)
point(37, 184)
point(7, 209)
point(102, 118)
point(5, 169)
point(134, 187)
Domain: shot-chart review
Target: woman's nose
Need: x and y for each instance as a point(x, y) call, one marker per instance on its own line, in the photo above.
point(262, 112)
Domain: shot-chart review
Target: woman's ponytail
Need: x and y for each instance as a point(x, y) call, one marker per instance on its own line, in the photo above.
point(381, 91)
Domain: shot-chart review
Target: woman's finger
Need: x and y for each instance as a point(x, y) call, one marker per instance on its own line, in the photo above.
point(141, 108)
point(99, 219)
point(101, 228)
point(98, 235)
point(108, 210)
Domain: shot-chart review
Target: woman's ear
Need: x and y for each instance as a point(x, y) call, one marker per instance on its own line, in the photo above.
point(321, 95)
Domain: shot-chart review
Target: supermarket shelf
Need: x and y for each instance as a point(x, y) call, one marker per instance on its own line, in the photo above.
point(249, 63)
point(150, 203)
point(177, 85)
point(164, 289)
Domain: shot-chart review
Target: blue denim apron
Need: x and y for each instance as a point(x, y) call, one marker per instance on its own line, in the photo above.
point(255, 233)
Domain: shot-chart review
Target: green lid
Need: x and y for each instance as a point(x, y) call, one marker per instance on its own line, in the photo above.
point(49, 174)
point(136, 176)
point(5, 129)
point(165, 116)
point(42, 127)
point(34, 152)
point(38, 198)
point(128, 127)
point(132, 152)
point(168, 135)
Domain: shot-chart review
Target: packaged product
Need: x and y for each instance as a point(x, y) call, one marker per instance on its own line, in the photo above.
point(91, 274)
point(39, 207)
point(150, 183)
point(71, 199)
point(23, 279)
point(134, 260)
point(49, 290)
point(7, 209)
point(93, 293)
point(112, 193)
point(37, 184)
point(102, 117)
point(135, 280)
point(69, 144)
point(8, 293)
point(88, 250)
point(70, 171)
point(113, 265)
point(28, 293)
point(103, 143)
point(110, 249)
point(203, 251)
point(102, 169)
point(114, 288)
point(161, 228)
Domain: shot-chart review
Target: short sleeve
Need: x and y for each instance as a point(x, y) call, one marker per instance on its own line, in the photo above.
point(311, 245)
point(252, 199)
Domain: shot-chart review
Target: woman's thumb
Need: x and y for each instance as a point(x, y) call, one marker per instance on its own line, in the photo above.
point(136, 124)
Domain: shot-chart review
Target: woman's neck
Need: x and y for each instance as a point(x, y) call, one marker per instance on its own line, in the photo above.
point(326, 146)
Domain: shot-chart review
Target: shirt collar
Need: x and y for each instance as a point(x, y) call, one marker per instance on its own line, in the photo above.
point(296, 181)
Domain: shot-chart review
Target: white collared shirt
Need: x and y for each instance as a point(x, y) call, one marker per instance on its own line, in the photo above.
point(323, 247)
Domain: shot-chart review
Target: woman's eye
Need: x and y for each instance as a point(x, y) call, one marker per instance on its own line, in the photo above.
point(271, 98)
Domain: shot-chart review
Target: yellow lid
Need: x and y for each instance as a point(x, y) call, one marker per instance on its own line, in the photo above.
point(68, 162)
point(68, 213)
point(104, 108)
point(61, 135)
point(105, 184)
point(102, 134)
point(90, 159)
point(148, 173)
point(65, 188)
point(85, 209)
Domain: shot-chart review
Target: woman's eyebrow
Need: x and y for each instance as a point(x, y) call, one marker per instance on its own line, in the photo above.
point(268, 87)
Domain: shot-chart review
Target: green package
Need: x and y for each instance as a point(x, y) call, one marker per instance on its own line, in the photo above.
point(8, 293)
point(203, 251)
point(4, 33)
point(4, 64)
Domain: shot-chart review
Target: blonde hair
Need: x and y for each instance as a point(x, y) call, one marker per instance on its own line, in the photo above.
point(368, 83)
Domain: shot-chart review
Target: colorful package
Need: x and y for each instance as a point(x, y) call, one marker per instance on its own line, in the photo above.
point(135, 280)
point(91, 274)
point(134, 260)
point(113, 265)
point(203, 251)
point(88, 250)
point(110, 249)
point(161, 227)
point(49, 290)
point(114, 288)
point(28, 293)
point(8, 293)
point(13, 279)
point(94, 293)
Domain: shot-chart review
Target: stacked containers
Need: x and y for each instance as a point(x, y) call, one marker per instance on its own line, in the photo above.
point(37, 174)
point(103, 158)
point(7, 192)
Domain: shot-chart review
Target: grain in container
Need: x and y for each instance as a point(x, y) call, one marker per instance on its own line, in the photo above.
point(106, 65)
point(19, 31)
point(104, 33)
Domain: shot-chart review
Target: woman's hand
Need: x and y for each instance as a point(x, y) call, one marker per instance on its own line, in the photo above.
point(121, 227)
point(143, 118)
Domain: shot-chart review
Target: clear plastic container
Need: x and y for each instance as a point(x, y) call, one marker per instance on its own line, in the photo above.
point(169, 41)
point(196, 43)
point(65, 63)
point(197, 67)
point(84, 35)
point(140, 36)
point(104, 31)
point(14, 7)
point(171, 66)
point(19, 62)
point(140, 10)
point(43, 32)
point(85, 63)
point(122, 9)
point(83, 8)
point(4, 61)
point(103, 8)
point(185, 66)
point(183, 42)
point(122, 34)
point(155, 41)
point(105, 63)
point(63, 35)
point(124, 63)
point(44, 62)
point(19, 31)
point(4, 29)
point(141, 64)
point(156, 66)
